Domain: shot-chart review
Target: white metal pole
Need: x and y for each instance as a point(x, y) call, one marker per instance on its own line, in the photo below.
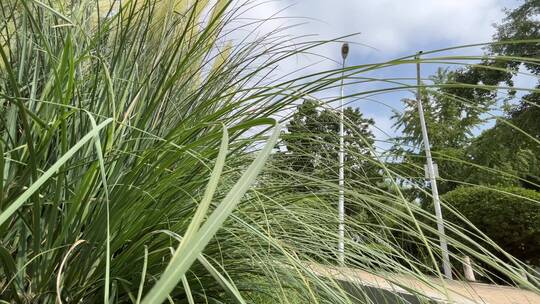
point(431, 172)
point(341, 203)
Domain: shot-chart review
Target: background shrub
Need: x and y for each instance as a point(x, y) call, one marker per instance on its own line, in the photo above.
point(509, 216)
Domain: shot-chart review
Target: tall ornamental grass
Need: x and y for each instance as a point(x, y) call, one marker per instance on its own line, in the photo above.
point(138, 165)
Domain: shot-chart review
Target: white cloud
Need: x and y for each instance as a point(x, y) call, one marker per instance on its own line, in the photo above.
point(394, 27)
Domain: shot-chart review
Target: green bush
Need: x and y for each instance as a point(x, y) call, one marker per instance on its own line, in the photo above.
point(509, 216)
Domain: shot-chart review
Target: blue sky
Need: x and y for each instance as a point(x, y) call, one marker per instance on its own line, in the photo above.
point(391, 29)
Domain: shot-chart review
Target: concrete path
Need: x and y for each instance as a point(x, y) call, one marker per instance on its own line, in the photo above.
point(437, 290)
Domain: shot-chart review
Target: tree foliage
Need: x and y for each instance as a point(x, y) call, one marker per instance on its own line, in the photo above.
point(510, 150)
point(312, 141)
point(513, 144)
point(450, 120)
point(311, 146)
point(508, 216)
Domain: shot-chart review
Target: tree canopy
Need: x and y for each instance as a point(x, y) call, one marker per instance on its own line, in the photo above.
point(312, 140)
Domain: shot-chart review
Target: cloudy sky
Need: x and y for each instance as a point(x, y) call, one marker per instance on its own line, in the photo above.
point(394, 27)
point(387, 29)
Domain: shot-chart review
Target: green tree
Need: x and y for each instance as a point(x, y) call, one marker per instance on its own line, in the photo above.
point(503, 158)
point(511, 149)
point(450, 123)
point(313, 138)
point(513, 144)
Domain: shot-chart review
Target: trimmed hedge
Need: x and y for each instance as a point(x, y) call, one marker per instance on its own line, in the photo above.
point(509, 216)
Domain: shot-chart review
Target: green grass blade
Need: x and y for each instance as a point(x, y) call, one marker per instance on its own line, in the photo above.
point(10, 269)
point(222, 280)
point(2, 166)
point(50, 172)
point(97, 144)
point(182, 260)
point(143, 276)
point(185, 284)
point(52, 10)
point(210, 190)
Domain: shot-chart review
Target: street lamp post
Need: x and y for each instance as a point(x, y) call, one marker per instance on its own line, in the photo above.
point(432, 177)
point(341, 202)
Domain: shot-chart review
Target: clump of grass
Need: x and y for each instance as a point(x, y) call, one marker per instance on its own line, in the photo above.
point(132, 145)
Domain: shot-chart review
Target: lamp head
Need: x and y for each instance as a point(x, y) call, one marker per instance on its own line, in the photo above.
point(344, 50)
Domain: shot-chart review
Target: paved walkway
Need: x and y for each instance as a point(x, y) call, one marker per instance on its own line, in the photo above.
point(446, 291)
